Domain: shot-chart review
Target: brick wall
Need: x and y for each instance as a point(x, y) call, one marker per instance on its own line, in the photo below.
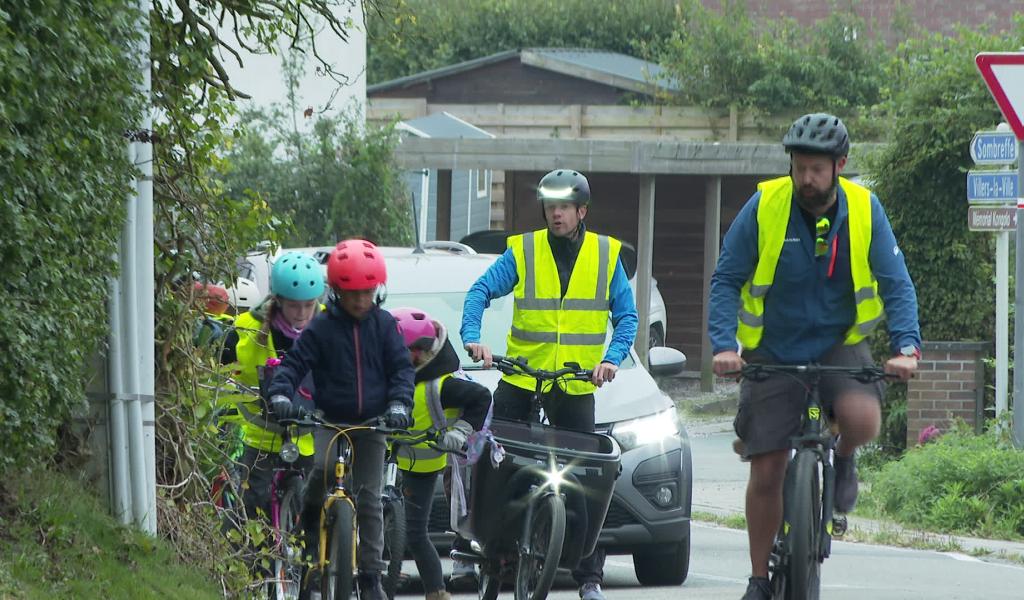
point(933, 15)
point(949, 385)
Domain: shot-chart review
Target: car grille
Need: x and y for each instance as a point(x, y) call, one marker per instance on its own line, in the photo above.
point(618, 516)
point(440, 519)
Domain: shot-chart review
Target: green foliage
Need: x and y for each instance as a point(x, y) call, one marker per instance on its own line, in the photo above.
point(960, 483)
point(59, 542)
point(938, 101)
point(427, 34)
point(723, 58)
point(333, 183)
point(66, 97)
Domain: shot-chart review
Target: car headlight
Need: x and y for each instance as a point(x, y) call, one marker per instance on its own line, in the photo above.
point(651, 429)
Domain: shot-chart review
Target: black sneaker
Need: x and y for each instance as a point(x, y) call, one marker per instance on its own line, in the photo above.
point(370, 587)
point(758, 588)
point(846, 483)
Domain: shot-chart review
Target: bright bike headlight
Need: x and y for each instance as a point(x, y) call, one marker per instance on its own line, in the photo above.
point(652, 429)
point(289, 452)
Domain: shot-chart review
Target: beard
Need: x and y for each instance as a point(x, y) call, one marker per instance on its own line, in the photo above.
point(814, 200)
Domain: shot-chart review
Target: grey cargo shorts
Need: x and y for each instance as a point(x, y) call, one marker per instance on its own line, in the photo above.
point(769, 411)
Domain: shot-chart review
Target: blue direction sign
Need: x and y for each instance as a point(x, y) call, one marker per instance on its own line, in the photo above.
point(992, 187)
point(994, 148)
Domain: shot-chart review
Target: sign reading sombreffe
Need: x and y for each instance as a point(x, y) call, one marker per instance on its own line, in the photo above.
point(994, 148)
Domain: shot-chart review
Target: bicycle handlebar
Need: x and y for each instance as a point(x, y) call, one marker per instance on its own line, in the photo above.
point(863, 374)
point(519, 366)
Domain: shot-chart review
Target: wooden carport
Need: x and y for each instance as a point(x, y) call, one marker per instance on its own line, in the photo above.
point(684, 163)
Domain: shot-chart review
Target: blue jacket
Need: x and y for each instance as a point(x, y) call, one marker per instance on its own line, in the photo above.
point(501, 278)
point(358, 367)
point(807, 311)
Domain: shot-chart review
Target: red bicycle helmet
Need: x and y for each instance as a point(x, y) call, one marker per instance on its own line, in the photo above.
point(214, 296)
point(356, 265)
point(416, 327)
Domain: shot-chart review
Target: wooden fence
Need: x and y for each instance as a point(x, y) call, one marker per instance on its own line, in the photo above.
point(576, 121)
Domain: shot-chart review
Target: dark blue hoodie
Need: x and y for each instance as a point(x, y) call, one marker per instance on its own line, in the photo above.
point(358, 366)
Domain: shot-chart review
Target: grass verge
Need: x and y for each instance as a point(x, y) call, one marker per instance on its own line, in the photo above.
point(57, 541)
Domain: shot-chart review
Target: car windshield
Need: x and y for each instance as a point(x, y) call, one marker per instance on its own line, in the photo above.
point(447, 308)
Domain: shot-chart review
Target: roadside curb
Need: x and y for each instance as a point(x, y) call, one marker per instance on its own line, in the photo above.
point(858, 526)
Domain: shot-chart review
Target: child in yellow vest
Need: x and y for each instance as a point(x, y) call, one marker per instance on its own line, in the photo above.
point(443, 402)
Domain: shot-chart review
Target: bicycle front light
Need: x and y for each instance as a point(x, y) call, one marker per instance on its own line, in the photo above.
point(652, 429)
point(289, 452)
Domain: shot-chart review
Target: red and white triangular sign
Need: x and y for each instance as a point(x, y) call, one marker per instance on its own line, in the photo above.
point(1004, 75)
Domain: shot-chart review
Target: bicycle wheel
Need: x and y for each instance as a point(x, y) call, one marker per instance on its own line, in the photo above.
point(535, 571)
point(288, 554)
point(394, 543)
point(336, 581)
point(803, 513)
point(489, 580)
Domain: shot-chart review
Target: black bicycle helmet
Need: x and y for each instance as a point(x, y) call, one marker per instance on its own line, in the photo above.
point(818, 133)
point(564, 185)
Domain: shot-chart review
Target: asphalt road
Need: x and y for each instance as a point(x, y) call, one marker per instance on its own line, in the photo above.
point(719, 564)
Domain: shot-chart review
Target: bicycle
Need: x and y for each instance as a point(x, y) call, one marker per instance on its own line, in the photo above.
point(538, 490)
point(338, 535)
point(804, 540)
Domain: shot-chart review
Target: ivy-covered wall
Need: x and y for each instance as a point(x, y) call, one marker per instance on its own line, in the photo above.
point(66, 99)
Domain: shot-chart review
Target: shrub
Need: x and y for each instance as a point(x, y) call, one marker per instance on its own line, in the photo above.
point(957, 483)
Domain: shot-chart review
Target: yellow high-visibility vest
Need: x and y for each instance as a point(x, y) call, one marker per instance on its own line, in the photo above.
point(421, 458)
point(550, 330)
point(258, 430)
point(773, 211)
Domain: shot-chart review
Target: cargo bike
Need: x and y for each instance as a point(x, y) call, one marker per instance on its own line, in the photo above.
point(553, 486)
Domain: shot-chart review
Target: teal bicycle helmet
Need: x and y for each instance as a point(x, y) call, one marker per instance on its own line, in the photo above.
point(297, 276)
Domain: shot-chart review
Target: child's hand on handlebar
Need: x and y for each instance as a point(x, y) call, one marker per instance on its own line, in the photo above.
point(479, 352)
point(603, 373)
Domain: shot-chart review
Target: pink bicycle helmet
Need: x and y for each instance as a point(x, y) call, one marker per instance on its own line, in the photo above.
point(416, 327)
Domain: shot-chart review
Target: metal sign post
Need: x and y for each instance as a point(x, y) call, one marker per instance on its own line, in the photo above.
point(1018, 327)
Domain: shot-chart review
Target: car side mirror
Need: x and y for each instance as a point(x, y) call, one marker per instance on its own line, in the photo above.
point(665, 361)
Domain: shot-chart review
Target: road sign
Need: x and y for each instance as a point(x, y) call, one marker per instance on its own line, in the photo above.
point(1004, 74)
point(992, 187)
point(994, 148)
point(991, 218)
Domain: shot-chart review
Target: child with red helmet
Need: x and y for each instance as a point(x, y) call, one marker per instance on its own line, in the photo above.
point(361, 369)
point(443, 401)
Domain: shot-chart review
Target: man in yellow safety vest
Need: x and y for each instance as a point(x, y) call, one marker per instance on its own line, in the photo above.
point(565, 280)
point(805, 272)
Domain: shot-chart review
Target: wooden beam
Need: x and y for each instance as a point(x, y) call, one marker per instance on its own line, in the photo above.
point(712, 227)
point(609, 156)
point(644, 265)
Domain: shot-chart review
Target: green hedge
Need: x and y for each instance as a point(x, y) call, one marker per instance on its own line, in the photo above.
point(66, 99)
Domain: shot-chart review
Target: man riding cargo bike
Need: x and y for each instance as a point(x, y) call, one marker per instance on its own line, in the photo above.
point(565, 280)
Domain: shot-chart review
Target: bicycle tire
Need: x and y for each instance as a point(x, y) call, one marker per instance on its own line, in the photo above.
point(288, 560)
point(394, 544)
point(338, 576)
point(489, 581)
point(535, 572)
point(803, 514)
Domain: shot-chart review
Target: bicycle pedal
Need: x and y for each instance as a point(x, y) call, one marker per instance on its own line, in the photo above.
point(839, 526)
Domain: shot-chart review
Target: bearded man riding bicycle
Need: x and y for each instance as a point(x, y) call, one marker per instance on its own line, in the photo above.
point(564, 280)
point(805, 272)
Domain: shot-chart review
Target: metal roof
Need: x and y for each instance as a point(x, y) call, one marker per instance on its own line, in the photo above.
point(610, 68)
point(443, 125)
point(584, 63)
